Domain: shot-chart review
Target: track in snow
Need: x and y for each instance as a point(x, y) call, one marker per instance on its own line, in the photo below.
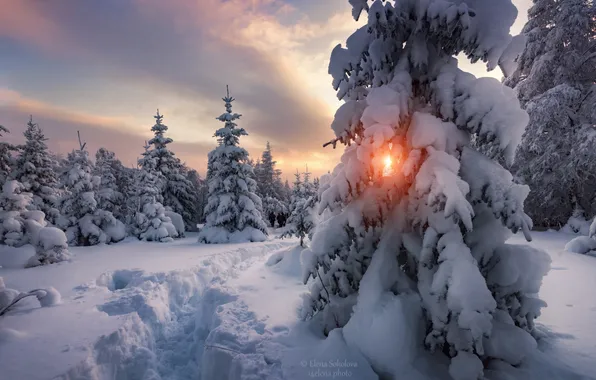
point(169, 317)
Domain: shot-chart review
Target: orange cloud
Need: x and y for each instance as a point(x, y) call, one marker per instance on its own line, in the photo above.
point(16, 101)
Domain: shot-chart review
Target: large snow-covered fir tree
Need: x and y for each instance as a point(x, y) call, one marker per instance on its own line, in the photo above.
point(35, 170)
point(270, 187)
point(149, 221)
point(80, 217)
point(232, 212)
point(176, 190)
point(555, 82)
point(423, 244)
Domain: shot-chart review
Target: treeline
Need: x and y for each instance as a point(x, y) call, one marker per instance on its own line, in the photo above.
point(103, 201)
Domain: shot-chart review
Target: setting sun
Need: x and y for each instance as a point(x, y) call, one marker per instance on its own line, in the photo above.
point(388, 165)
point(388, 161)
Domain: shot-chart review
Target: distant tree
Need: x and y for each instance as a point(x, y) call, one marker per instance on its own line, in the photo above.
point(287, 199)
point(126, 183)
point(270, 187)
point(555, 82)
point(301, 222)
point(109, 196)
point(199, 186)
point(233, 207)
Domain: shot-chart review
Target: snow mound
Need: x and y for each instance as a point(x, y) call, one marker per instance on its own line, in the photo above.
point(50, 247)
point(7, 295)
point(48, 297)
point(177, 221)
point(509, 343)
point(287, 261)
point(10, 335)
point(577, 224)
point(581, 244)
point(373, 331)
point(220, 235)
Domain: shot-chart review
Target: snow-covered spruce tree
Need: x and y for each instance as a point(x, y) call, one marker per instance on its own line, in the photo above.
point(80, 217)
point(20, 226)
point(232, 212)
point(149, 221)
point(176, 190)
point(554, 81)
point(6, 158)
point(300, 223)
point(50, 247)
point(107, 168)
point(35, 170)
point(14, 201)
point(430, 231)
point(269, 186)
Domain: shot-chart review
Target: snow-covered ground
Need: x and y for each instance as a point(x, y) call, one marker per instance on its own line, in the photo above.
point(570, 318)
point(183, 310)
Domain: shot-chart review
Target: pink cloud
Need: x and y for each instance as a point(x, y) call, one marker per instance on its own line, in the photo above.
point(24, 22)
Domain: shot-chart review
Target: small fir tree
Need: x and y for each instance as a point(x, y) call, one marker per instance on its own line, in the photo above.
point(176, 190)
point(300, 222)
point(233, 207)
point(150, 222)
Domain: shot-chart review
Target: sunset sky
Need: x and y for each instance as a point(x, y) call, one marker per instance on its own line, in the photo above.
point(103, 67)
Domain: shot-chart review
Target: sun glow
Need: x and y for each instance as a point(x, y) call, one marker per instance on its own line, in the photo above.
point(388, 161)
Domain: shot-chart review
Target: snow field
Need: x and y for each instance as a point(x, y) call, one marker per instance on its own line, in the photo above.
point(183, 310)
point(143, 319)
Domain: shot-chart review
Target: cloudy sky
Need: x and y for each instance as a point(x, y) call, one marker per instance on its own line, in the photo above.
point(104, 66)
